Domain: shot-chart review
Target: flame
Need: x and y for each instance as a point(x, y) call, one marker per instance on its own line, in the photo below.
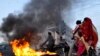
point(22, 48)
point(0, 54)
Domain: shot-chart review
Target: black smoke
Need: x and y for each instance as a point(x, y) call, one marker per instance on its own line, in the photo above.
point(36, 16)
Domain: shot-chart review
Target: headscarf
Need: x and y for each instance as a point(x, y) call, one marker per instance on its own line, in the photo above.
point(89, 31)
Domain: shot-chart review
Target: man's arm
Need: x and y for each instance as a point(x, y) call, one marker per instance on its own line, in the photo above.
point(44, 42)
point(75, 31)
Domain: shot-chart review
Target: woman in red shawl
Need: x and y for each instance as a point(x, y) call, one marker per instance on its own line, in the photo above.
point(89, 34)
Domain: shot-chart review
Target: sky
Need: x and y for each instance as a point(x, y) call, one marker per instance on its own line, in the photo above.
point(11, 6)
point(79, 10)
point(89, 8)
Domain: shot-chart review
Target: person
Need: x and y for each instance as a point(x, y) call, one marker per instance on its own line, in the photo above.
point(90, 32)
point(88, 36)
point(78, 23)
point(61, 46)
point(78, 44)
point(50, 42)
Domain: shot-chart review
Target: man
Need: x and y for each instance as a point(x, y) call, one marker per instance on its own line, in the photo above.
point(61, 46)
point(50, 42)
point(78, 23)
point(76, 36)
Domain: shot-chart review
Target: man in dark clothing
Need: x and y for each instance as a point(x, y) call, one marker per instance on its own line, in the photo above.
point(50, 42)
point(78, 22)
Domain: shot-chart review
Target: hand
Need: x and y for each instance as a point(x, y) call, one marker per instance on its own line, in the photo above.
point(77, 36)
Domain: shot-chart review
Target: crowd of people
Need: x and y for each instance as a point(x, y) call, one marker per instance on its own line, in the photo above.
point(85, 36)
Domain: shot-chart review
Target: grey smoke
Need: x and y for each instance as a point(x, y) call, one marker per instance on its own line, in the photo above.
point(36, 16)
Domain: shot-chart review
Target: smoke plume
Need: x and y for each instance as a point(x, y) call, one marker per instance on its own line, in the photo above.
point(36, 16)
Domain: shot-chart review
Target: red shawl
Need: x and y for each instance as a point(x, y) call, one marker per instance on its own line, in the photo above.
point(89, 32)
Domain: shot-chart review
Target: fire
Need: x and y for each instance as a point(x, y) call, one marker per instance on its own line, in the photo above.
point(22, 48)
point(0, 54)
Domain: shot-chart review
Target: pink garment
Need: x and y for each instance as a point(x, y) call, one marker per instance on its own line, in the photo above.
point(90, 36)
point(81, 48)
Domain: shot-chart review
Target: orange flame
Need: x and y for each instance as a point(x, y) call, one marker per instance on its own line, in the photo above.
point(0, 54)
point(21, 48)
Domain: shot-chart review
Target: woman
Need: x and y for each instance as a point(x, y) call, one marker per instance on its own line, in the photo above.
point(87, 36)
